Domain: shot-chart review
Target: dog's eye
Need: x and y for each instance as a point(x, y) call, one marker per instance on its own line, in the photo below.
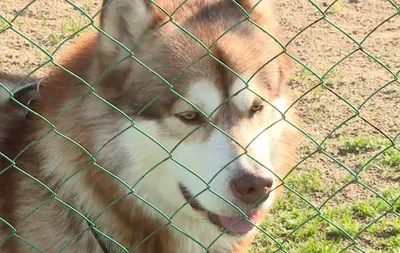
point(188, 116)
point(257, 107)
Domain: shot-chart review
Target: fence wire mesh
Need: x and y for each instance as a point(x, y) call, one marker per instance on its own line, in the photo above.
point(343, 193)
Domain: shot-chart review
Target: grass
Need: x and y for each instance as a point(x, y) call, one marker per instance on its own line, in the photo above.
point(301, 225)
point(318, 235)
point(67, 27)
point(362, 144)
point(387, 162)
point(305, 182)
point(3, 23)
point(22, 22)
point(303, 75)
point(300, 76)
point(391, 158)
point(88, 6)
point(336, 7)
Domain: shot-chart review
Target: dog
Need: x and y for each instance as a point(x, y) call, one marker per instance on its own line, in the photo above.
point(155, 133)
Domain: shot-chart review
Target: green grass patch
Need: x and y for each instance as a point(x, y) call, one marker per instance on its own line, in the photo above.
point(335, 72)
point(3, 24)
point(336, 7)
point(362, 144)
point(67, 28)
point(389, 159)
point(299, 228)
point(300, 76)
point(308, 181)
point(88, 6)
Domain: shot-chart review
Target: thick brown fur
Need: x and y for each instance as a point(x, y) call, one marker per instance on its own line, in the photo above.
point(53, 175)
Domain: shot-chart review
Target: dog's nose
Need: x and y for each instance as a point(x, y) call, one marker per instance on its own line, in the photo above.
point(250, 188)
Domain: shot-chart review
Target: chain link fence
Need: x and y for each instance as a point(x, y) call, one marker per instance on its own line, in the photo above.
point(343, 193)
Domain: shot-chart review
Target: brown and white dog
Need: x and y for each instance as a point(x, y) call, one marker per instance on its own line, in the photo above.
point(144, 165)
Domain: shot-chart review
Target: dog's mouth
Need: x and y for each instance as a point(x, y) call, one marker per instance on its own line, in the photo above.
point(233, 225)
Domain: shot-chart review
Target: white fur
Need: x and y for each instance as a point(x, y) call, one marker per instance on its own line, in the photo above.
point(244, 99)
point(281, 105)
point(246, 96)
point(195, 95)
point(204, 156)
point(160, 186)
point(205, 95)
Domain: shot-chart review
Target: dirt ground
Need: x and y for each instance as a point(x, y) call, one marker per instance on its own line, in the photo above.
point(351, 84)
point(365, 43)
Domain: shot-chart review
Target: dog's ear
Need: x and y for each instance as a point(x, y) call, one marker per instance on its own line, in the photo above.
point(126, 21)
point(261, 11)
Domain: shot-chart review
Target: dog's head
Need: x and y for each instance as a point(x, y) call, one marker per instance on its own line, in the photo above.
point(207, 83)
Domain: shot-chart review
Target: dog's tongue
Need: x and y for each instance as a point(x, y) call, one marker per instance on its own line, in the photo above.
point(241, 227)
